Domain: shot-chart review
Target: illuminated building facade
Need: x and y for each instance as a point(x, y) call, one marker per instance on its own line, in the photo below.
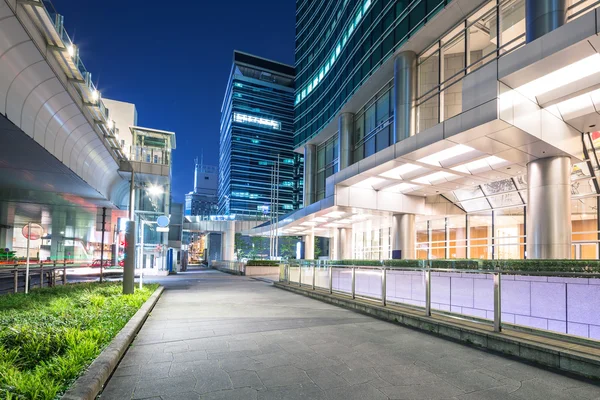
point(257, 128)
point(448, 129)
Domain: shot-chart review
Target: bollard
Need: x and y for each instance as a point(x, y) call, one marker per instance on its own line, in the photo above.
point(428, 292)
point(383, 286)
point(41, 275)
point(314, 271)
point(16, 280)
point(353, 282)
point(497, 303)
point(330, 280)
point(64, 277)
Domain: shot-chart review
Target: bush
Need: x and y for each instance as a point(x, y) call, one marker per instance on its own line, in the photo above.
point(358, 263)
point(581, 266)
point(262, 263)
point(50, 336)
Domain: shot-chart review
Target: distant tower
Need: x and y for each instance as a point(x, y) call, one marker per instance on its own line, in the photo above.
point(202, 201)
point(196, 170)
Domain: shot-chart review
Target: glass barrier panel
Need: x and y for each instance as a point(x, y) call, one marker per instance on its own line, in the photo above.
point(342, 280)
point(406, 287)
point(467, 294)
point(564, 305)
point(322, 277)
point(368, 283)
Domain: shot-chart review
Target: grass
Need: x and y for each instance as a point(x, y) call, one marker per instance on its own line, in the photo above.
point(49, 337)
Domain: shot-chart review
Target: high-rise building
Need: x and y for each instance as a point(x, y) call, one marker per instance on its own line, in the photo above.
point(257, 131)
point(447, 129)
point(202, 201)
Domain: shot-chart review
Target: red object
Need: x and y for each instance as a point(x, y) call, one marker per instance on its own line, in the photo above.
point(36, 231)
point(96, 264)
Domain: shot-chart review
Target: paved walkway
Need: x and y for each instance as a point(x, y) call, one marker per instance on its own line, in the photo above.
point(217, 336)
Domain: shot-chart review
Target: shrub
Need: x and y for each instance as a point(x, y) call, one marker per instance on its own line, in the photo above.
point(50, 336)
point(262, 263)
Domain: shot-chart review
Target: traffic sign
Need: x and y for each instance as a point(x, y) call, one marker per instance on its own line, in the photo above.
point(32, 231)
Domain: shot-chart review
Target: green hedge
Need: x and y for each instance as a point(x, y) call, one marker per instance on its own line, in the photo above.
point(589, 266)
point(262, 263)
point(362, 263)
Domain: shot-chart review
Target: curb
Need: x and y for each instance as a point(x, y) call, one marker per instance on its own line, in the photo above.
point(88, 385)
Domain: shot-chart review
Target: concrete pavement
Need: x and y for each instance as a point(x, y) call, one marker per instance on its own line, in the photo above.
point(218, 336)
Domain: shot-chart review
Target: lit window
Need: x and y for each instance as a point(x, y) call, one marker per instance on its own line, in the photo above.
point(337, 51)
point(250, 119)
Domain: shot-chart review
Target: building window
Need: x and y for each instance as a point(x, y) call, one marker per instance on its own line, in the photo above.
point(327, 163)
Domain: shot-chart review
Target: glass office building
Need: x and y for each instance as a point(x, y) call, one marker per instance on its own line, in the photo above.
point(257, 128)
point(448, 129)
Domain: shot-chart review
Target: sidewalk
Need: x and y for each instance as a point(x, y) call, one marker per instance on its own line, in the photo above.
point(218, 336)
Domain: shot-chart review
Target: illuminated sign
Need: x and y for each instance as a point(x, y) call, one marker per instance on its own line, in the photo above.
point(249, 119)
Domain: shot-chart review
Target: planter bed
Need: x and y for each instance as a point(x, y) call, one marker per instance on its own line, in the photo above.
point(49, 337)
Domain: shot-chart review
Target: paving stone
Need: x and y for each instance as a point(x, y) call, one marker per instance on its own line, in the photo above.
point(358, 392)
point(245, 378)
point(282, 376)
point(234, 394)
point(423, 391)
point(213, 380)
point(326, 379)
point(274, 344)
point(294, 392)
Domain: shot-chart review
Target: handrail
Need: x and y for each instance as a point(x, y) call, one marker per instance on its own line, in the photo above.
point(454, 270)
point(310, 274)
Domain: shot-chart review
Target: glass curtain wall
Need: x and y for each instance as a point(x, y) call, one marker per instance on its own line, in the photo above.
point(327, 163)
point(464, 49)
point(373, 125)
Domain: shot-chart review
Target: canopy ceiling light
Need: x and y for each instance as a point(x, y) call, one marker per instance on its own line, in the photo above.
point(435, 177)
point(562, 77)
point(437, 158)
point(484, 164)
point(369, 183)
point(398, 172)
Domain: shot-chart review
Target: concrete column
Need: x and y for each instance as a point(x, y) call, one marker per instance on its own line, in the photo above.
point(7, 221)
point(405, 94)
point(404, 236)
point(345, 248)
point(310, 166)
point(549, 208)
point(309, 246)
point(543, 16)
point(228, 242)
point(345, 137)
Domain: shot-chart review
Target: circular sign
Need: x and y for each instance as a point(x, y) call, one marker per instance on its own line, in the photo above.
point(162, 221)
point(36, 231)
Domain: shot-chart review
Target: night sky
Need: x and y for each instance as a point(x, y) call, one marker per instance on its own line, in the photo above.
point(173, 59)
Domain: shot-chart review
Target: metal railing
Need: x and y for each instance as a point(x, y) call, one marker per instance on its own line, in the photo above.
point(478, 288)
point(13, 277)
point(230, 266)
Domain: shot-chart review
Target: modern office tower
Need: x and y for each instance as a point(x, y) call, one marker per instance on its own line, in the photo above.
point(202, 201)
point(447, 129)
point(257, 140)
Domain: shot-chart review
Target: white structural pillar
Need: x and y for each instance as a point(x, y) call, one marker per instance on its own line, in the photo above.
point(404, 236)
point(345, 134)
point(310, 165)
point(549, 208)
point(543, 16)
point(309, 246)
point(228, 242)
point(344, 244)
point(405, 94)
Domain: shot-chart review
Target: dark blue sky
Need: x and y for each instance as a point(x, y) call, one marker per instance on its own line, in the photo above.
point(173, 59)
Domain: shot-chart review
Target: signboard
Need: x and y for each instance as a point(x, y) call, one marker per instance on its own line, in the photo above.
point(162, 229)
point(35, 233)
point(162, 221)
